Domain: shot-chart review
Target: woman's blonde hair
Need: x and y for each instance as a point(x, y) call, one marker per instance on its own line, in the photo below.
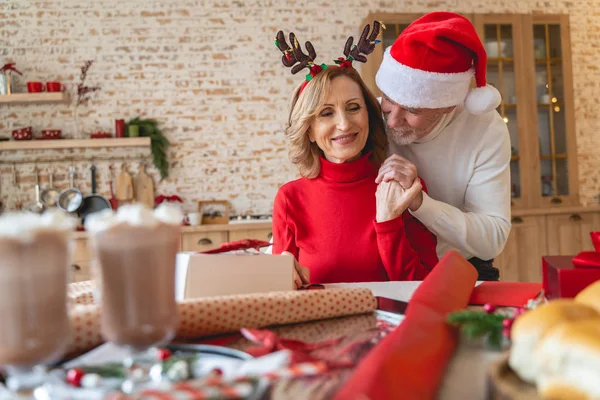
point(304, 107)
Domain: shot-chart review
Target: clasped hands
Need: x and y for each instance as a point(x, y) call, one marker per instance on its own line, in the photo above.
point(398, 188)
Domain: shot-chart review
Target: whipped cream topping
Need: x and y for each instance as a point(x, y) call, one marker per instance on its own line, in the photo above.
point(135, 215)
point(24, 224)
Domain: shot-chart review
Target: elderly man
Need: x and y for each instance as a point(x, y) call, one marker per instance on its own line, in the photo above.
point(450, 135)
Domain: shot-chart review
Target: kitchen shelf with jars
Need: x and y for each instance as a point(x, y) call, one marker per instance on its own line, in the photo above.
point(529, 62)
point(54, 92)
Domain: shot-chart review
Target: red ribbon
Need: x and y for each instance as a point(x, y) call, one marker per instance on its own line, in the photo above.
point(589, 259)
point(159, 199)
point(10, 67)
point(268, 342)
point(243, 244)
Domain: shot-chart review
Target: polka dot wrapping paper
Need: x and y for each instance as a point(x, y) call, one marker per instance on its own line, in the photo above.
point(223, 314)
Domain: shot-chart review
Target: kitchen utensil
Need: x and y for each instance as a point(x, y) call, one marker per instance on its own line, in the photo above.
point(143, 187)
point(70, 199)
point(209, 351)
point(14, 176)
point(38, 206)
point(94, 202)
point(51, 194)
point(124, 186)
point(114, 203)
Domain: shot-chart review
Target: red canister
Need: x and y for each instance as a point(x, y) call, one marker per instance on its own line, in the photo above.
point(119, 128)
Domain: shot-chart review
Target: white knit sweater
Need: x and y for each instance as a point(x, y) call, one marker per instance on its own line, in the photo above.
point(466, 167)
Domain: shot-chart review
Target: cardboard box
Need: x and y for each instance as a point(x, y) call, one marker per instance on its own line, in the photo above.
point(203, 275)
point(562, 279)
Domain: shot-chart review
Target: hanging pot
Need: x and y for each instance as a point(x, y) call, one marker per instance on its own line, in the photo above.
point(94, 202)
point(70, 199)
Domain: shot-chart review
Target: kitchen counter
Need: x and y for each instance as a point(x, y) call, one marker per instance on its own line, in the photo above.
point(207, 228)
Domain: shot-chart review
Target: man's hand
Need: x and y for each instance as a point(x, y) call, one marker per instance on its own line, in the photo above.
point(401, 170)
point(392, 200)
point(301, 274)
point(398, 169)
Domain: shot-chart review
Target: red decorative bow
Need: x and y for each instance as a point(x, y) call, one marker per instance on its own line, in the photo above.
point(343, 62)
point(159, 199)
point(589, 259)
point(10, 67)
point(243, 244)
point(269, 342)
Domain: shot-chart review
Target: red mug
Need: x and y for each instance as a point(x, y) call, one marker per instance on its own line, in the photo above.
point(54, 87)
point(35, 87)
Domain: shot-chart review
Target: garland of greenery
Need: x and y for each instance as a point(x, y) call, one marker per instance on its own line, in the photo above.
point(158, 143)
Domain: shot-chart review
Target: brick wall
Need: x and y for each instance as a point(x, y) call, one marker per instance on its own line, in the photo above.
point(209, 72)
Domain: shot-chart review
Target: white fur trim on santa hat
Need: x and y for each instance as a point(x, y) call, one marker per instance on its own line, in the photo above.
point(482, 99)
point(416, 88)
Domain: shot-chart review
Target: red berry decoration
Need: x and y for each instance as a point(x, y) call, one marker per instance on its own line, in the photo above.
point(507, 323)
point(217, 372)
point(163, 354)
point(74, 376)
point(489, 308)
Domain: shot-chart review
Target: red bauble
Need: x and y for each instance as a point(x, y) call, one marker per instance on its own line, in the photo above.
point(489, 308)
point(74, 376)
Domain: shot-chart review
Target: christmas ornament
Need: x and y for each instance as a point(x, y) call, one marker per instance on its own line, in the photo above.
point(163, 354)
point(74, 376)
point(491, 323)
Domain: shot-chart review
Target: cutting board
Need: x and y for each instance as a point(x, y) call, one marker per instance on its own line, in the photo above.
point(124, 192)
point(144, 188)
point(504, 384)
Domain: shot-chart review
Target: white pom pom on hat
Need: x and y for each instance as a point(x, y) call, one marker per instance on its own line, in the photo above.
point(431, 65)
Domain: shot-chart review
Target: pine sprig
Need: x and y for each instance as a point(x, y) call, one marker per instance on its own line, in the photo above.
point(476, 324)
point(158, 143)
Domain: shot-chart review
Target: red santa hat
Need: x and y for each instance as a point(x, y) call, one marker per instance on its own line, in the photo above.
point(431, 64)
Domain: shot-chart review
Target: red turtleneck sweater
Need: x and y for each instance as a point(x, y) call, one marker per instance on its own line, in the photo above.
point(328, 224)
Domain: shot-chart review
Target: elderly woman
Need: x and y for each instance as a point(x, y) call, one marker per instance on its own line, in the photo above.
point(335, 219)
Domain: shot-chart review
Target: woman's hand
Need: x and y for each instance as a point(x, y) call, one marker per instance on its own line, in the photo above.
point(301, 274)
point(392, 200)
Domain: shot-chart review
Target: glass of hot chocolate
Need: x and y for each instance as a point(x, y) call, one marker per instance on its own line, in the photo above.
point(34, 324)
point(134, 252)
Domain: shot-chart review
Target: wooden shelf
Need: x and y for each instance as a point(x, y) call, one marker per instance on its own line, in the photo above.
point(557, 156)
point(74, 144)
point(514, 158)
point(44, 97)
point(552, 60)
point(500, 59)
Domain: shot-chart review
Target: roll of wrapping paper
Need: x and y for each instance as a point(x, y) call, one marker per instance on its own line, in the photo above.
point(410, 362)
point(223, 314)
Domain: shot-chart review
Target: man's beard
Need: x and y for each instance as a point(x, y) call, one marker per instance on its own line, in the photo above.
point(403, 136)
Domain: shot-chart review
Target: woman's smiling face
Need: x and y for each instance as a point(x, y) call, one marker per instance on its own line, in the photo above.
point(341, 125)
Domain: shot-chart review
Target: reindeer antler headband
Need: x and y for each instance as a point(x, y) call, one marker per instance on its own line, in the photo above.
point(293, 57)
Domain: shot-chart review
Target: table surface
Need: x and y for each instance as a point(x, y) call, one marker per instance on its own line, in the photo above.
point(466, 374)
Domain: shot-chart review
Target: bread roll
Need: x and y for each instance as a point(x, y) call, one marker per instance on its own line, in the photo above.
point(590, 296)
point(569, 358)
point(530, 328)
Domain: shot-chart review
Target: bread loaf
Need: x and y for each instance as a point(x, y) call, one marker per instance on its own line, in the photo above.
point(569, 359)
point(590, 296)
point(529, 329)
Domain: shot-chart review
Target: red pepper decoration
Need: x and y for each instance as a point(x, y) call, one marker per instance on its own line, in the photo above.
point(74, 376)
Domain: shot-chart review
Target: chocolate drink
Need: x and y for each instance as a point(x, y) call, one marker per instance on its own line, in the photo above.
point(34, 325)
point(136, 267)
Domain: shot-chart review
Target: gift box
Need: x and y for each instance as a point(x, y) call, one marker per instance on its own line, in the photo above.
point(237, 272)
point(566, 276)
